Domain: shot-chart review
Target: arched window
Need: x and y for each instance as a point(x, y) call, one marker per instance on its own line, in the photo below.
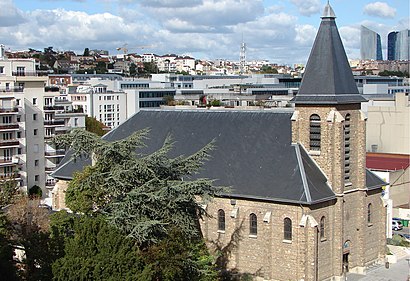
point(253, 224)
point(287, 229)
point(369, 213)
point(314, 132)
point(347, 148)
point(221, 220)
point(322, 228)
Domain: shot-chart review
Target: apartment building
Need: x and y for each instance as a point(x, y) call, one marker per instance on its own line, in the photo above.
point(31, 113)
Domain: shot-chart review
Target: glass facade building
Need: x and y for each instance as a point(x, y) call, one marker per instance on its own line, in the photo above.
point(398, 45)
point(371, 45)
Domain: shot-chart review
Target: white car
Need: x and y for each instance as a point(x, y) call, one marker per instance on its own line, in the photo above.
point(396, 225)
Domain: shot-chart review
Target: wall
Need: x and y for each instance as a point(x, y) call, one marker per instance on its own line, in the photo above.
point(389, 127)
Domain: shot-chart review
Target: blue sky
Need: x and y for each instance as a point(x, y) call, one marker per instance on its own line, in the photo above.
point(281, 31)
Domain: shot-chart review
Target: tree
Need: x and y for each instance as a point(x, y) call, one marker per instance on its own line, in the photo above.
point(8, 189)
point(95, 250)
point(86, 52)
point(133, 70)
point(150, 67)
point(94, 126)
point(8, 271)
point(268, 69)
point(142, 195)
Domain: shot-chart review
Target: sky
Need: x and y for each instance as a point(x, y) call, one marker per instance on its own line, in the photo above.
point(281, 31)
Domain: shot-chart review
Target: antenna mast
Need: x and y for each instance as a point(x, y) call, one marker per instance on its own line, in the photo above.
point(242, 57)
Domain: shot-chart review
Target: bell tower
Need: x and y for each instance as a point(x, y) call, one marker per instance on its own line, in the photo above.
point(327, 119)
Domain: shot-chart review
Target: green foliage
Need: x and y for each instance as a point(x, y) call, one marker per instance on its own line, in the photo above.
point(8, 189)
point(140, 219)
point(216, 103)
point(35, 191)
point(394, 73)
point(133, 70)
point(94, 126)
point(7, 269)
point(169, 100)
point(94, 250)
point(397, 240)
point(150, 67)
point(179, 258)
point(86, 52)
point(268, 69)
point(141, 195)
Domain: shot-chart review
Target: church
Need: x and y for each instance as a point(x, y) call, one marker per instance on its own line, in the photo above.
point(302, 205)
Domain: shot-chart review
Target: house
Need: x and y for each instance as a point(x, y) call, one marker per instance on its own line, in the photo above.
point(302, 202)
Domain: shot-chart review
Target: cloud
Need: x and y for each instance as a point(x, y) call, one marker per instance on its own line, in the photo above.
point(379, 9)
point(305, 34)
point(170, 3)
point(307, 7)
point(211, 12)
point(9, 14)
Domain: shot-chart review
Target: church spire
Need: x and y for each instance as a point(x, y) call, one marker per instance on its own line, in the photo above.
point(328, 78)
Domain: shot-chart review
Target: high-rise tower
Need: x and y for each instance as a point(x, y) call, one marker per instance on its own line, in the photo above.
point(371, 45)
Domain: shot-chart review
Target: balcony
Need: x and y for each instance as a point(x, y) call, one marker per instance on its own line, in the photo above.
point(9, 143)
point(53, 122)
point(29, 73)
point(53, 107)
point(9, 176)
point(9, 126)
point(58, 153)
point(7, 161)
point(9, 110)
point(50, 183)
point(11, 89)
point(50, 168)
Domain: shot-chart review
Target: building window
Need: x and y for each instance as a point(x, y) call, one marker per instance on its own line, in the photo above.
point(36, 178)
point(1, 69)
point(347, 149)
point(34, 101)
point(221, 220)
point(314, 132)
point(287, 229)
point(35, 132)
point(34, 116)
point(369, 213)
point(322, 228)
point(36, 162)
point(253, 224)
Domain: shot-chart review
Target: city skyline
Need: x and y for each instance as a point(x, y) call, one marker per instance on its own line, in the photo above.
point(279, 31)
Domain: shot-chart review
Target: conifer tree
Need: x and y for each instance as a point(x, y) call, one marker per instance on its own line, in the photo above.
point(142, 195)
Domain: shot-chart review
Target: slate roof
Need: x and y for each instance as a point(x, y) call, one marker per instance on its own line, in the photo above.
point(328, 78)
point(254, 155)
point(373, 181)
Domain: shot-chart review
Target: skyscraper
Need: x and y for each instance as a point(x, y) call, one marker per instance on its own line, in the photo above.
point(371, 45)
point(398, 45)
point(391, 45)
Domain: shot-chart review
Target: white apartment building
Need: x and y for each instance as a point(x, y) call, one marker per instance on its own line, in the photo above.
point(28, 116)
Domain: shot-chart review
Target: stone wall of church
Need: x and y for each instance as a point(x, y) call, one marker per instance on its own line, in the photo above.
point(329, 158)
point(268, 254)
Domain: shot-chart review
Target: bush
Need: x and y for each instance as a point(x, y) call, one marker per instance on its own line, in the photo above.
point(35, 191)
point(397, 240)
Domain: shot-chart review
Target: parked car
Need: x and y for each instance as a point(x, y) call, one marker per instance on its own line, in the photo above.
point(396, 225)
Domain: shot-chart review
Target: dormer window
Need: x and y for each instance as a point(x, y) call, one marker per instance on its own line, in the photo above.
point(314, 132)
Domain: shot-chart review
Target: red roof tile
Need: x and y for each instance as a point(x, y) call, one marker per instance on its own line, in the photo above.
point(387, 161)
